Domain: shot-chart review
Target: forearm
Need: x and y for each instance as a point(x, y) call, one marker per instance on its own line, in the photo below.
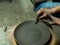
point(56, 9)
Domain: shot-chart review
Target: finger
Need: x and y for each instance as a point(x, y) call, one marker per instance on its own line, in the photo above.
point(55, 20)
point(52, 17)
point(40, 11)
point(46, 21)
point(44, 15)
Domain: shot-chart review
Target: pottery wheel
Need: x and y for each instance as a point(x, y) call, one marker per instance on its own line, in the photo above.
point(29, 33)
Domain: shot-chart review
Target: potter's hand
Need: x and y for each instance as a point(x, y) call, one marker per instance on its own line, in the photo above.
point(55, 20)
point(47, 12)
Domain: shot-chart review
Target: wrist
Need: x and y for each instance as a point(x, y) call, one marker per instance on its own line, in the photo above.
point(53, 10)
point(56, 9)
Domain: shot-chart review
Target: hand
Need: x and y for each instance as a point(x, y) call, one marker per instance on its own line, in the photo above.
point(55, 20)
point(46, 12)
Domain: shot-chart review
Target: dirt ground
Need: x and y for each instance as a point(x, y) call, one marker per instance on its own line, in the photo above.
point(17, 11)
point(14, 13)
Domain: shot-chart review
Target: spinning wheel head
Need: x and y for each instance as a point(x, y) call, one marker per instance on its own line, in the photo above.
point(29, 33)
